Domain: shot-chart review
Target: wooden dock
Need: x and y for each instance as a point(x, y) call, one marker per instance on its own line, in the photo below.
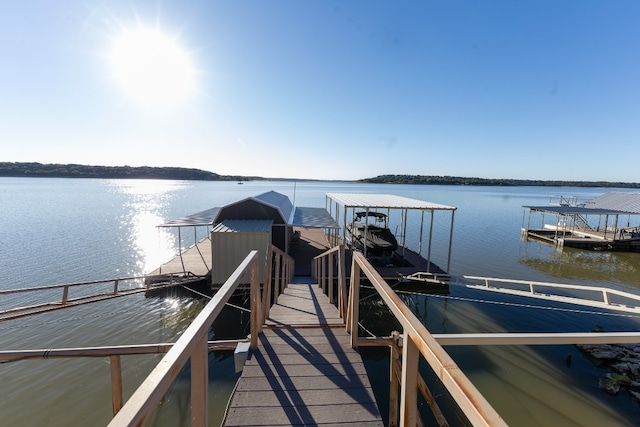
point(195, 260)
point(304, 371)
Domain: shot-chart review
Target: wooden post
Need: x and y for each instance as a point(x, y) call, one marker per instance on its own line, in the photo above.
point(266, 292)
point(65, 295)
point(330, 277)
point(354, 302)
point(256, 317)
point(394, 379)
point(409, 381)
point(200, 384)
point(323, 273)
point(116, 383)
point(342, 286)
point(115, 287)
point(278, 281)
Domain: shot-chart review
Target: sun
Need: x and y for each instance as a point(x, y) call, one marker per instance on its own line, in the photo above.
point(152, 68)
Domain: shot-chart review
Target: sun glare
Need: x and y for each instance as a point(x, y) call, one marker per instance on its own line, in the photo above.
point(153, 69)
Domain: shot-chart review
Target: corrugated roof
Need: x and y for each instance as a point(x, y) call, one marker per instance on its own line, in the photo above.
point(313, 218)
point(574, 210)
point(613, 203)
point(278, 201)
point(197, 219)
point(384, 201)
point(243, 225)
point(302, 216)
point(628, 203)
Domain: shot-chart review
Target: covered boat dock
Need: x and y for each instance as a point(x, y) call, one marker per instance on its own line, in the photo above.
point(603, 223)
point(344, 207)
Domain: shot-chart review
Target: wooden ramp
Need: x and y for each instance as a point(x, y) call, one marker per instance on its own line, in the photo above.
point(304, 371)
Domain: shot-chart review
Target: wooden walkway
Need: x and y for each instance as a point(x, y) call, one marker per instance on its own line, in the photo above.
point(304, 371)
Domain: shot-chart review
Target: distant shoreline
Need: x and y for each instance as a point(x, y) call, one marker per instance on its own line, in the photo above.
point(40, 170)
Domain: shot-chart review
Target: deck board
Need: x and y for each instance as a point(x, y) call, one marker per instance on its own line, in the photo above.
point(196, 260)
point(304, 375)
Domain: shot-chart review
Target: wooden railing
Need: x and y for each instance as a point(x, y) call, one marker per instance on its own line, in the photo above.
point(328, 268)
point(93, 291)
point(416, 341)
point(73, 294)
point(192, 345)
point(278, 273)
point(593, 296)
point(113, 352)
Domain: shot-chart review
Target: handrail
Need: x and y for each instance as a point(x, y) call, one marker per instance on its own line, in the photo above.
point(67, 301)
point(324, 273)
point(67, 285)
point(417, 340)
point(104, 351)
point(533, 290)
point(192, 345)
point(278, 273)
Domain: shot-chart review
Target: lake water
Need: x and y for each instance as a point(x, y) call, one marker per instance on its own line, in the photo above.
point(64, 230)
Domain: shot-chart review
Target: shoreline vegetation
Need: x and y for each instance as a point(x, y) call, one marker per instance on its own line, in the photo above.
point(40, 170)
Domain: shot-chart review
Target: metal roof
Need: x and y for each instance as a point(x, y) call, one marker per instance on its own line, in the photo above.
point(278, 201)
point(302, 216)
point(628, 203)
point(614, 203)
point(197, 219)
point(243, 225)
point(313, 218)
point(574, 210)
point(389, 201)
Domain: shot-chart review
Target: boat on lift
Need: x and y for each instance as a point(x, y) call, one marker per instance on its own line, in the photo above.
point(369, 233)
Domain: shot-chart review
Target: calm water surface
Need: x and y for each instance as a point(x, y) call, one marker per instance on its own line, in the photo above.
point(63, 230)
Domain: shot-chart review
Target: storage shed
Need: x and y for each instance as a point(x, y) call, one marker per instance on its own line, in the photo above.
point(232, 240)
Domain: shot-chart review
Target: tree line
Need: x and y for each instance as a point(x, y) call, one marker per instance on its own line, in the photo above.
point(457, 180)
point(39, 170)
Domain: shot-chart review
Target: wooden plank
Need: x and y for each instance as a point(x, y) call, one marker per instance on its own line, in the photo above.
point(304, 376)
point(303, 304)
point(304, 370)
point(308, 359)
point(335, 383)
point(304, 415)
point(192, 259)
point(269, 398)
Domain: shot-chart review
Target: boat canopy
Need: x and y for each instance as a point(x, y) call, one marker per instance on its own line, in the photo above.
point(339, 204)
point(384, 201)
point(574, 210)
point(612, 203)
point(628, 203)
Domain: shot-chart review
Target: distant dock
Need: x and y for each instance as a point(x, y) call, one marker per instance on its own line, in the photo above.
point(603, 223)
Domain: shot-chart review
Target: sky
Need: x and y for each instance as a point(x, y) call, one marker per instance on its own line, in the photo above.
point(337, 90)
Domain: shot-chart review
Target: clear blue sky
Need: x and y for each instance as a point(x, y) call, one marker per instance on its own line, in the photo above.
point(330, 89)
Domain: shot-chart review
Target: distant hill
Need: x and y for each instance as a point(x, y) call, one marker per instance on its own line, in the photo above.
point(456, 180)
point(39, 170)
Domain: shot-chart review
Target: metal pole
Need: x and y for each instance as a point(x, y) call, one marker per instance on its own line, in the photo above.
point(421, 229)
point(453, 213)
point(430, 240)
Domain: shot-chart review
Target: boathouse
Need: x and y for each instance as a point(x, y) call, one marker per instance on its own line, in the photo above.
point(251, 223)
point(607, 222)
